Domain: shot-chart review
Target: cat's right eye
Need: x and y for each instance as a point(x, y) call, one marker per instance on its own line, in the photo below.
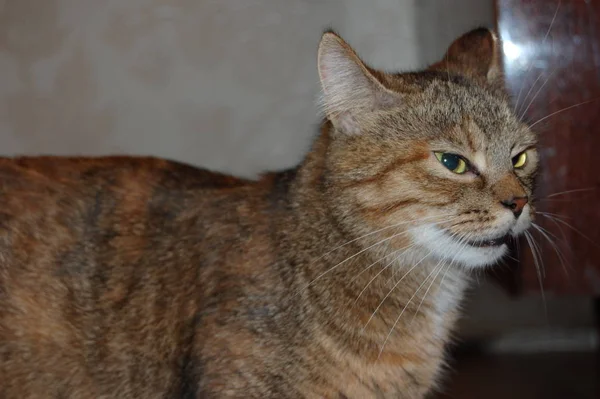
point(519, 160)
point(452, 162)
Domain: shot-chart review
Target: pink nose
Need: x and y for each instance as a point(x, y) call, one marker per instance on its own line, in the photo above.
point(516, 205)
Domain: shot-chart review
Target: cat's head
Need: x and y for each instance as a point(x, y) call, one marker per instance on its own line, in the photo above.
point(439, 154)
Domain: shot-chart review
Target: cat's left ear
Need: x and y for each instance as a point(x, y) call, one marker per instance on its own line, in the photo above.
point(476, 54)
point(351, 90)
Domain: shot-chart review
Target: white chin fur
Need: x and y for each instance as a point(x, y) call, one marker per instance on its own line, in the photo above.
point(523, 222)
point(442, 246)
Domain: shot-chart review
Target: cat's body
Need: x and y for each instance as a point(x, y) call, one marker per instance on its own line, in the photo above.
point(143, 278)
point(137, 277)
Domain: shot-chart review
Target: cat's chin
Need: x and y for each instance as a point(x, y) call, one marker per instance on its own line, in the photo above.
point(474, 254)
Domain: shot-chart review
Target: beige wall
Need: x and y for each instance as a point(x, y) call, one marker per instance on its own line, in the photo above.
point(226, 84)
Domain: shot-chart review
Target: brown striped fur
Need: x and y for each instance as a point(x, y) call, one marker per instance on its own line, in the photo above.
point(125, 277)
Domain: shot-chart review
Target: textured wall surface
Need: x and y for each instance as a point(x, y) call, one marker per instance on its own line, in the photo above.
point(226, 84)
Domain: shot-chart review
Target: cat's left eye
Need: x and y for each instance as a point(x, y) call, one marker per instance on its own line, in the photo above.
point(519, 160)
point(454, 163)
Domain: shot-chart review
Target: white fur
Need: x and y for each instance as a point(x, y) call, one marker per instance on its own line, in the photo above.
point(480, 161)
point(447, 300)
point(443, 245)
point(523, 223)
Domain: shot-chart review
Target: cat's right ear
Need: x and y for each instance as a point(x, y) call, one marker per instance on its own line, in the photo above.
point(475, 54)
point(350, 89)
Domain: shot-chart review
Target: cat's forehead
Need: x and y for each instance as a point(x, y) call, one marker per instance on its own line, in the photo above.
point(469, 115)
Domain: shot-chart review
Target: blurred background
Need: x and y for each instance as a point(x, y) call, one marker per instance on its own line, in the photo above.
point(231, 85)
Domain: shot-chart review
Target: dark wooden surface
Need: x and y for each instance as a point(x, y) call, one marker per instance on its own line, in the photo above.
point(523, 376)
point(552, 63)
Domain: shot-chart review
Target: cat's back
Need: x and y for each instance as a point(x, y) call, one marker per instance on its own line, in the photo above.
point(105, 264)
point(48, 203)
point(21, 174)
point(68, 186)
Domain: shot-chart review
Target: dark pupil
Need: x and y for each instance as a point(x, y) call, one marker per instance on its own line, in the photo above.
point(450, 161)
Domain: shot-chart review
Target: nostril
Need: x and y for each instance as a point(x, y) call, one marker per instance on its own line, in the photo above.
point(510, 204)
point(518, 213)
point(516, 205)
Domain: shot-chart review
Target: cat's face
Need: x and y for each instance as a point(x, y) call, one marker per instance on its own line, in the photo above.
point(440, 155)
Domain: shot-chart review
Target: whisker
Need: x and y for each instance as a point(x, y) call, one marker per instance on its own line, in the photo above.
point(517, 110)
point(571, 227)
point(512, 258)
point(427, 290)
point(377, 275)
point(556, 215)
point(562, 110)
point(393, 288)
point(552, 22)
point(463, 241)
point(517, 107)
point(518, 244)
point(537, 248)
point(529, 239)
point(531, 63)
point(553, 244)
point(379, 260)
point(405, 307)
point(545, 230)
point(352, 257)
point(379, 231)
point(569, 200)
point(577, 190)
point(444, 276)
point(537, 93)
point(562, 232)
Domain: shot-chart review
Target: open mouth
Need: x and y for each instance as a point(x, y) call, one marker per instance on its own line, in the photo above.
point(495, 242)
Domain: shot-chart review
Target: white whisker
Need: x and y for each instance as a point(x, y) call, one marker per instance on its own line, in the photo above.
point(406, 306)
point(562, 232)
point(517, 110)
point(547, 234)
point(382, 258)
point(577, 190)
point(569, 226)
point(537, 93)
point(562, 110)
point(379, 231)
point(381, 271)
point(529, 239)
point(352, 257)
point(531, 63)
point(427, 290)
point(393, 288)
point(462, 242)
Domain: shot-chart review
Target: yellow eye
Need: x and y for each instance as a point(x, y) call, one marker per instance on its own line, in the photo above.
point(454, 163)
point(519, 160)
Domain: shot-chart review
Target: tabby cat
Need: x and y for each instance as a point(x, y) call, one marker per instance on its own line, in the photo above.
point(126, 277)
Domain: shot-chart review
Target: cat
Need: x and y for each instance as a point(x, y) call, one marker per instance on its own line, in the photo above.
point(133, 277)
